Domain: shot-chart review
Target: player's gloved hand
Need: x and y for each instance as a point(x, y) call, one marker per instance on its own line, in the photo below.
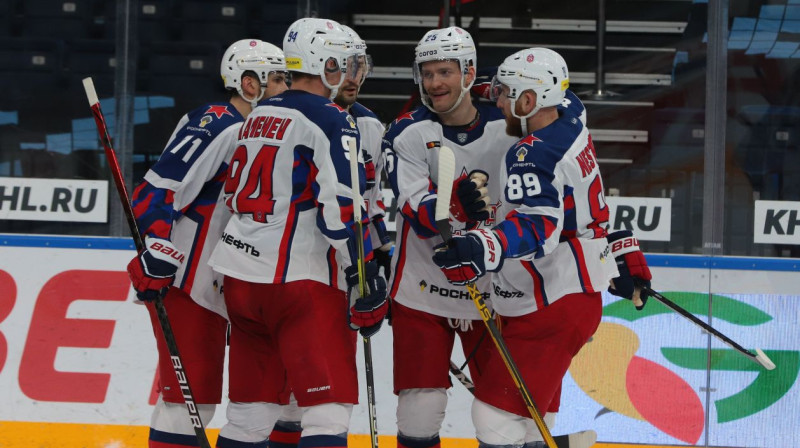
point(369, 165)
point(153, 270)
point(470, 199)
point(483, 81)
point(470, 256)
point(366, 313)
point(383, 258)
point(634, 275)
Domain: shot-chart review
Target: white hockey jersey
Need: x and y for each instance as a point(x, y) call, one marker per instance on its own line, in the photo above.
point(289, 188)
point(371, 131)
point(555, 219)
point(181, 197)
point(411, 145)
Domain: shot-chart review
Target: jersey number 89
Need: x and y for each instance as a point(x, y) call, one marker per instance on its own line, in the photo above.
point(526, 185)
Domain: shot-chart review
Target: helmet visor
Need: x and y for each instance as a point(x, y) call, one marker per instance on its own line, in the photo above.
point(338, 70)
point(498, 89)
point(364, 67)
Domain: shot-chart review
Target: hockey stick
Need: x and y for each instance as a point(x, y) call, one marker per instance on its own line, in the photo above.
point(362, 287)
point(580, 439)
point(462, 377)
point(166, 328)
point(758, 357)
point(444, 180)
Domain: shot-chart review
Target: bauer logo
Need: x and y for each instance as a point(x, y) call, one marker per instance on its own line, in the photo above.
point(65, 200)
point(777, 222)
point(648, 218)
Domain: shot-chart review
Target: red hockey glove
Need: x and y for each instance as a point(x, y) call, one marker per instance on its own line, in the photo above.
point(153, 270)
point(369, 166)
point(470, 198)
point(366, 313)
point(470, 256)
point(632, 266)
point(483, 82)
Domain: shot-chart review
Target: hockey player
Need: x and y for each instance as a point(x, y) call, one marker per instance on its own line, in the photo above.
point(549, 249)
point(371, 130)
point(180, 212)
point(289, 251)
point(427, 313)
point(286, 433)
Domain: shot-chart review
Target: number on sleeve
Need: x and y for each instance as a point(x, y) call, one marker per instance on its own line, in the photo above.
point(195, 144)
point(525, 185)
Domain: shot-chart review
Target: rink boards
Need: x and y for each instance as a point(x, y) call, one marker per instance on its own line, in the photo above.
point(77, 357)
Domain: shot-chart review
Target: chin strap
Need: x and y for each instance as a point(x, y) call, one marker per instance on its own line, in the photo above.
point(253, 102)
point(426, 99)
point(523, 119)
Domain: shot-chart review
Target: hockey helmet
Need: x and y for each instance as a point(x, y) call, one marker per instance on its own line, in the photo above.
point(254, 55)
point(445, 44)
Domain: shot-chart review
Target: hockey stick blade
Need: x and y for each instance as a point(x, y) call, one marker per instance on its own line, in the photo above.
point(161, 312)
point(444, 189)
point(759, 356)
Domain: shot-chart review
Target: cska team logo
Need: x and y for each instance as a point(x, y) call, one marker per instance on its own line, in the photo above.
point(219, 111)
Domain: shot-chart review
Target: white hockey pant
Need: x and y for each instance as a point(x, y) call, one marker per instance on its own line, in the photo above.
point(174, 418)
point(496, 428)
point(420, 412)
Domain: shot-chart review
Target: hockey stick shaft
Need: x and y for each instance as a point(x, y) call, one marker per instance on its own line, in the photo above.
point(759, 357)
point(444, 182)
point(362, 286)
point(462, 377)
point(163, 320)
point(573, 440)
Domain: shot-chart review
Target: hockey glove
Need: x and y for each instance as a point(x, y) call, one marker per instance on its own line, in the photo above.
point(153, 270)
point(470, 199)
point(632, 266)
point(366, 313)
point(383, 258)
point(483, 82)
point(470, 256)
point(369, 166)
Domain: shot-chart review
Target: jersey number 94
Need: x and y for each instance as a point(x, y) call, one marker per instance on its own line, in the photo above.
point(248, 188)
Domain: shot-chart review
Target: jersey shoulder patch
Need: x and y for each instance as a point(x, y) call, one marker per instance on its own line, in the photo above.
point(213, 118)
point(402, 122)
